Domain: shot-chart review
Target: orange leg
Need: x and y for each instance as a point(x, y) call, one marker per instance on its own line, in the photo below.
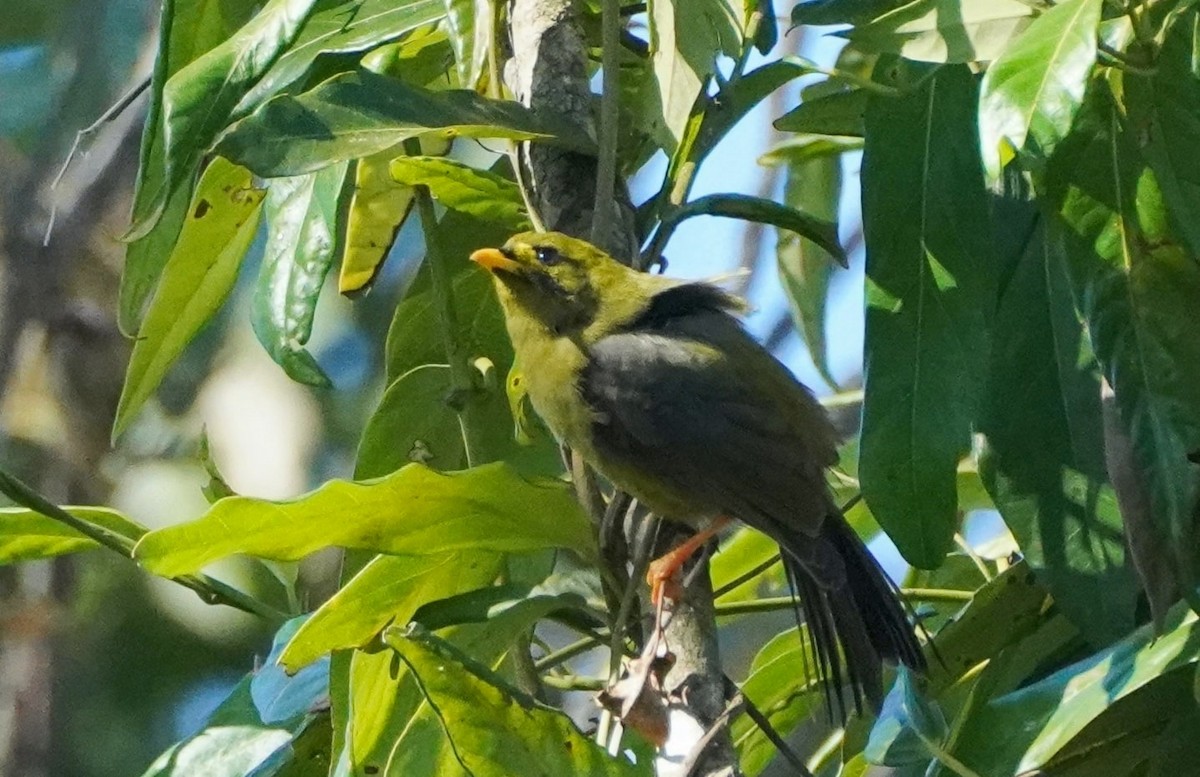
point(663, 569)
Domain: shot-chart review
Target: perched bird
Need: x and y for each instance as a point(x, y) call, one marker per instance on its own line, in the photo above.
point(655, 383)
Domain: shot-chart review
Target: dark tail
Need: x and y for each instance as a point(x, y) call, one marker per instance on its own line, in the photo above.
point(849, 603)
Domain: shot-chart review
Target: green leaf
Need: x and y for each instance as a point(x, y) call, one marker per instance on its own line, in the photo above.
point(414, 337)
point(392, 729)
point(378, 209)
point(301, 215)
point(221, 223)
point(495, 730)
point(739, 554)
point(685, 42)
point(811, 185)
point(909, 730)
point(199, 100)
point(389, 589)
point(782, 693)
point(1030, 95)
point(26, 535)
point(236, 742)
point(764, 211)
point(944, 30)
point(1044, 463)
point(837, 114)
point(470, 25)
point(185, 33)
point(413, 423)
point(479, 193)
point(1004, 611)
point(340, 27)
point(1166, 109)
point(1135, 288)
point(356, 114)
point(1024, 730)
point(928, 286)
point(413, 511)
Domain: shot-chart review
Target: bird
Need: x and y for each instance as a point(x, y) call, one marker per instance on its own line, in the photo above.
point(656, 384)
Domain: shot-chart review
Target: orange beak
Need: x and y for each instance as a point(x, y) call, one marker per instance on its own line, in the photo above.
point(493, 259)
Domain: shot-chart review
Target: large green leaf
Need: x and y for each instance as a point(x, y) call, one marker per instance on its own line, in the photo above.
point(26, 535)
point(928, 287)
point(356, 114)
point(944, 30)
point(495, 730)
point(184, 34)
point(389, 589)
point(1025, 729)
point(1044, 465)
point(1030, 95)
point(393, 730)
point(301, 215)
point(341, 26)
point(470, 24)
point(685, 41)
point(414, 511)
point(199, 101)
point(777, 686)
point(221, 223)
point(479, 193)
point(1135, 289)
point(1165, 108)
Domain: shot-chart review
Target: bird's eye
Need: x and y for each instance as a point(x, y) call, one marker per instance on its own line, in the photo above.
point(548, 256)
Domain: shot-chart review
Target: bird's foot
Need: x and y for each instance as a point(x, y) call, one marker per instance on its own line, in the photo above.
point(663, 573)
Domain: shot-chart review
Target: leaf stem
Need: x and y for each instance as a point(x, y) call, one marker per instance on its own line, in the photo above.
point(463, 384)
point(209, 589)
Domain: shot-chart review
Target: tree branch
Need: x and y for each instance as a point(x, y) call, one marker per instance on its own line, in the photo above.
point(548, 73)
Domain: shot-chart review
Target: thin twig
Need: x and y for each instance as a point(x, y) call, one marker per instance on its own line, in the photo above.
point(462, 381)
point(209, 589)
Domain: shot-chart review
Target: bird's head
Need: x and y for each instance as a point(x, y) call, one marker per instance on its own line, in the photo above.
point(562, 283)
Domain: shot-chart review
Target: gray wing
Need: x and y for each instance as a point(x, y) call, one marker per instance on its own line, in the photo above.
point(693, 405)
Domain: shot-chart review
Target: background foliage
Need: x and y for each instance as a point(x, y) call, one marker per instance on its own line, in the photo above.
point(1028, 224)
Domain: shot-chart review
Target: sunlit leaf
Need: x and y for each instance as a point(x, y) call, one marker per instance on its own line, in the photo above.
point(301, 214)
point(341, 26)
point(1023, 730)
point(1031, 93)
point(927, 227)
point(495, 730)
point(187, 30)
point(413, 511)
point(388, 589)
point(685, 40)
point(1134, 287)
point(26, 535)
point(479, 193)
point(776, 685)
point(1166, 109)
point(199, 275)
point(944, 30)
